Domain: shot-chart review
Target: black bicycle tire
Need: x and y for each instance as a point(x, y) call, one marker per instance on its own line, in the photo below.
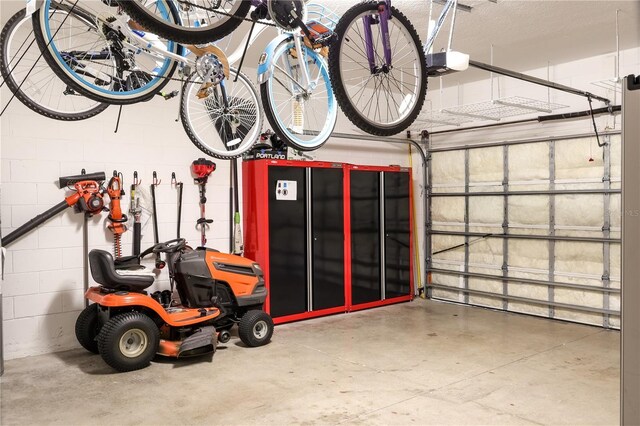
point(57, 68)
point(194, 139)
point(270, 116)
point(14, 86)
point(182, 34)
point(340, 92)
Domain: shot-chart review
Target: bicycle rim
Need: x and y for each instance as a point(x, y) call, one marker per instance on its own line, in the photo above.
point(302, 118)
point(85, 52)
point(32, 80)
point(218, 131)
point(384, 98)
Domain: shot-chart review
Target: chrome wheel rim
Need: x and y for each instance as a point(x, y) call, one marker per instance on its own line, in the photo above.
point(260, 329)
point(133, 343)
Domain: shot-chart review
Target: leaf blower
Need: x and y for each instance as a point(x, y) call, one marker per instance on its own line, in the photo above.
point(87, 197)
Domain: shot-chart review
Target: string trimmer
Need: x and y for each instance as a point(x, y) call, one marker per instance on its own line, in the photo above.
point(201, 170)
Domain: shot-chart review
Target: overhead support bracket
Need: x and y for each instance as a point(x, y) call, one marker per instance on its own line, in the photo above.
point(536, 80)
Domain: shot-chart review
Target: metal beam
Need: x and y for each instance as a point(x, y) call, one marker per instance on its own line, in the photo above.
point(540, 192)
point(630, 325)
point(519, 141)
point(466, 223)
point(551, 291)
point(583, 287)
point(536, 80)
point(606, 228)
point(505, 226)
point(525, 300)
point(528, 237)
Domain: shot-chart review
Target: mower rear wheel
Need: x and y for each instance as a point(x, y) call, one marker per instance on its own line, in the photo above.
point(129, 341)
point(87, 328)
point(255, 328)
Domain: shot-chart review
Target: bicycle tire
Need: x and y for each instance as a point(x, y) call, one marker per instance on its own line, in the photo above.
point(54, 57)
point(11, 66)
point(335, 64)
point(196, 136)
point(277, 124)
point(181, 32)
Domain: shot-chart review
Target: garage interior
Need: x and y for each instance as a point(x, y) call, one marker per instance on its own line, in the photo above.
point(467, 270)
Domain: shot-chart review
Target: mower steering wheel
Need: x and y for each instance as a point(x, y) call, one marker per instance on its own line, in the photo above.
point(170, 246)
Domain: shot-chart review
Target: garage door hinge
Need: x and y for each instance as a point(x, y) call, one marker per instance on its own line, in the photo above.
point(606, 277)
point(606, 179)
point(606, 229)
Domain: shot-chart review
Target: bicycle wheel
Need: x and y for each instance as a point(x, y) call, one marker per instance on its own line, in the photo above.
point(89, 53)
point(202, 21)
point(303, 118)
point(380, 99)
point(219, 129)
point(38, 89)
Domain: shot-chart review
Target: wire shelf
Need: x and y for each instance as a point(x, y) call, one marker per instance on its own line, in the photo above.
point(443, 119)
point(502, 108)
point(613, 84)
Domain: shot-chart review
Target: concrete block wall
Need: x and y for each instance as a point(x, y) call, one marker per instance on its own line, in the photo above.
point(43, 271)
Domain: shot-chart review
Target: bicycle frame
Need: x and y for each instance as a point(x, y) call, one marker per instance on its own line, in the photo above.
point(142, 43)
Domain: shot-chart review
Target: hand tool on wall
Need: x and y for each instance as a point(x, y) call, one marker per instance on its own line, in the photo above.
point(201, 169)
point(159, 262)
point(135, 211)
point(179, 186)
point(87, 197)
point(116, 218)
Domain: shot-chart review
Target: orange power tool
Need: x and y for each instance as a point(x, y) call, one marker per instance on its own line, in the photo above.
point(116, 217)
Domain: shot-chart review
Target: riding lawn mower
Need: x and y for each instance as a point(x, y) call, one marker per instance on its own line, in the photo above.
point(127, 326)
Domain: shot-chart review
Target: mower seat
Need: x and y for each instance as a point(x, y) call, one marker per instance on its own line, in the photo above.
point(104, 272)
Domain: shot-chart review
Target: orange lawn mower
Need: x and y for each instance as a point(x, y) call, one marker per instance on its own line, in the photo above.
point(128, 327)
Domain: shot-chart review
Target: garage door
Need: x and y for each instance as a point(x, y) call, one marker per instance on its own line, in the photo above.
point(528, 226)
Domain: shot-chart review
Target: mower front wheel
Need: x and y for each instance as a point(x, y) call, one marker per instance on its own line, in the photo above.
point(129, 341)
point(87, 328)
point(255, 328)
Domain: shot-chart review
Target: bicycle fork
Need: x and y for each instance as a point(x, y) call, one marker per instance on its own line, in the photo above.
point(384, 15)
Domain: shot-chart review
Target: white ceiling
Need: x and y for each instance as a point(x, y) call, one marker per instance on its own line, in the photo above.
point(528, 34)
point(525, 34)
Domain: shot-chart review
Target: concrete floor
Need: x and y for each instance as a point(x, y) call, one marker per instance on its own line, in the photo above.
point(416, 363)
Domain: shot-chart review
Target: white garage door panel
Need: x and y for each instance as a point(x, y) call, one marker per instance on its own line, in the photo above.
point(559, 275)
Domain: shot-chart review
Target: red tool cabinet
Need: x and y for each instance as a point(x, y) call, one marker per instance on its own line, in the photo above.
point(330, 237)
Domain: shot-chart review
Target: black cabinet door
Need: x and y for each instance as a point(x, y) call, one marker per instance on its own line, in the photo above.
point(287, 244)
point(327, 217)
point(365, 236)
point(397, 234)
